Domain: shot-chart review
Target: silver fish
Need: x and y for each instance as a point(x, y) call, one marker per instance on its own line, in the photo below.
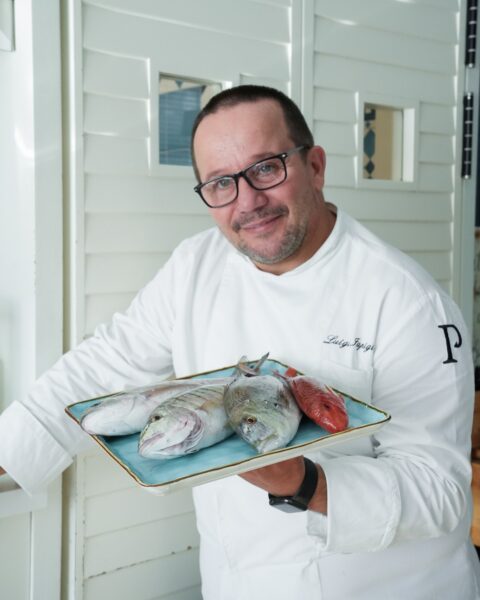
point(186, 423)
point(128, 412)
point(263, 411)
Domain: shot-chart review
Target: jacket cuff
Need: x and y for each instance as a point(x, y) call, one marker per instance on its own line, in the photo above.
point(28, 453)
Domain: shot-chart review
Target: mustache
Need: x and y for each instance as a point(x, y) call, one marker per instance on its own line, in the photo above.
point(256, 215)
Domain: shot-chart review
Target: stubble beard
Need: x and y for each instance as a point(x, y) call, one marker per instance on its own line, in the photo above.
point(291, 241)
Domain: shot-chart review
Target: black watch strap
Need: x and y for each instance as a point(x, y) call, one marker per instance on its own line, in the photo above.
point(301, 499)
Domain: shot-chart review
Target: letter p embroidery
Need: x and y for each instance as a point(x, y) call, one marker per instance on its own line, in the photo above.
point(457, 344)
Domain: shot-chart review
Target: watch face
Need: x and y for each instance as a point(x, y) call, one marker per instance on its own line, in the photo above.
point(286, 504)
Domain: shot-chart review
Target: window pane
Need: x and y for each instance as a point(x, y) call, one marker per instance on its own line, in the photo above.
point(383, 142)
point(180, 100)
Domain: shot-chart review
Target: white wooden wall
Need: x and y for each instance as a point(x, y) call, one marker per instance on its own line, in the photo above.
point(405, 50)
point(126, 213)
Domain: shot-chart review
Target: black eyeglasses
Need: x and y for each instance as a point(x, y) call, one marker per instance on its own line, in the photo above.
point(261, 175)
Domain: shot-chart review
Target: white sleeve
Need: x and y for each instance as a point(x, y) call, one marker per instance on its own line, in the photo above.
point(37, 438)
point(417, 485)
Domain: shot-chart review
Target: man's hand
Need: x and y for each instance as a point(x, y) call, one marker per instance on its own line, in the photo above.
point(284, 479)
point(2, 471)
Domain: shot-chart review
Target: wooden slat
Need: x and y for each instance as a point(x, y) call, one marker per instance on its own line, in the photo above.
point(101, 307)
point(132, 507)
point(437, 119)
point(116, 116)
point(340, 171)
point(283, 86)
point(434, 178)
point(110, 551)
point(140, 233)
point(142, 195)
point(107, 154)
point(193, 593)
point(436, 149)
point(270, 23)
point(363, 43)
point(334, 105)
point(15, 556)
point(144, 581)
point(115, 76)
point(388, 205)
point(423, 21)
point(336, 138)
point(127, 35)
point(348, 74)
point(120, 273)
point(414, 237)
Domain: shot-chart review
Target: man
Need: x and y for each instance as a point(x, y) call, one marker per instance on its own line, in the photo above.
point(385, 516)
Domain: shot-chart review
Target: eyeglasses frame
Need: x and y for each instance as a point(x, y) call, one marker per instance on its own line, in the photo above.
point(243, 173)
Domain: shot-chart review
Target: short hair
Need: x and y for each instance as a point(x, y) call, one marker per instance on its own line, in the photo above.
point(296, 125)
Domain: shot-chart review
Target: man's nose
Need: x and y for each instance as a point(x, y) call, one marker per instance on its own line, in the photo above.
point(248, 197)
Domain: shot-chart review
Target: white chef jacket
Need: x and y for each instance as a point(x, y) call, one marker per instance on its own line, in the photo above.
point(364, 318)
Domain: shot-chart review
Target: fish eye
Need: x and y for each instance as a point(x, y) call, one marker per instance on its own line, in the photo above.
point(155, 418)
point(250, 420)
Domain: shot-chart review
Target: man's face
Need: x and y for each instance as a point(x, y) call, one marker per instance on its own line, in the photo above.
point(277, 228)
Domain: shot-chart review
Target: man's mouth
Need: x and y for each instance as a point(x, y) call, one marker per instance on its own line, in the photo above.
point(260, 221)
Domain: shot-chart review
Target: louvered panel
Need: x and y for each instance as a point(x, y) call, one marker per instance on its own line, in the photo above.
point(102, 476)
point(101, 307)
point(120, 273)
point(115, 76)
point(414, 237)
point(145, 580)
point(388, 205)
point(108, 154)
point(336, 138)
point(362, 43)
point(348, 74)
point(334, 105)
point(132, 507)
point(111, 551)
point(340, 171)
point(116, 116)
point(270, 22)
point(127, 35)
point(434, 178)
point(438, 264)
point(437, 119)
point(193, 593)
point(428, 22)
point(143, 195)
point(436, 149)
point(140, 233)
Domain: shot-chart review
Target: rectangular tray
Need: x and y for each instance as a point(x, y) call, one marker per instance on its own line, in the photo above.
point(233, 455)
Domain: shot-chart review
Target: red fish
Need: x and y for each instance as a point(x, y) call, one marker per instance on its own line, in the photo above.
point(319, 402)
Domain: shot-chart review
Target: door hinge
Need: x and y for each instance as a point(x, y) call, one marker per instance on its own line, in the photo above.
point(471, 33)
point(467, 137)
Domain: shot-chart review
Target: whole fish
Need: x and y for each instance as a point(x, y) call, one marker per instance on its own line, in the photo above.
point(186, 423)
point(128, 412)
point(263, 411)
point(319, 402)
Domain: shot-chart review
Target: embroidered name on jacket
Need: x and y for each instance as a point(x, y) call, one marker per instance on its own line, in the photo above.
point(356, 344)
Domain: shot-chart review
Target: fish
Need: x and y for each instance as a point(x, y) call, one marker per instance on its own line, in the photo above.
point(128, 412)
point(319, 402)
point(186, 423)
point(262, 411)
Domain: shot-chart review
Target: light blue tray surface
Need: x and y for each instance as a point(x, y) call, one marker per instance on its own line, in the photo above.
point(232, 451)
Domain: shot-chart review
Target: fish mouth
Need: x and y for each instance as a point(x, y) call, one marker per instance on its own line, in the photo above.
point(172, 439)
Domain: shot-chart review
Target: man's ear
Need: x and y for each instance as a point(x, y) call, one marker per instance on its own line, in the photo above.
point(316, 161)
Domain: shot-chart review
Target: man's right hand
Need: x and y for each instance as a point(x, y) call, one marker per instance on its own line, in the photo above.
point(2, 471)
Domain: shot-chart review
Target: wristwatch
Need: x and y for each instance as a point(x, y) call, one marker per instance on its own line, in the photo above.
point(300, 500)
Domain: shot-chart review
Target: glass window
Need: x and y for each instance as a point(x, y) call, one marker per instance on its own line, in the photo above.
point(180, 100)
point(383, 142)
